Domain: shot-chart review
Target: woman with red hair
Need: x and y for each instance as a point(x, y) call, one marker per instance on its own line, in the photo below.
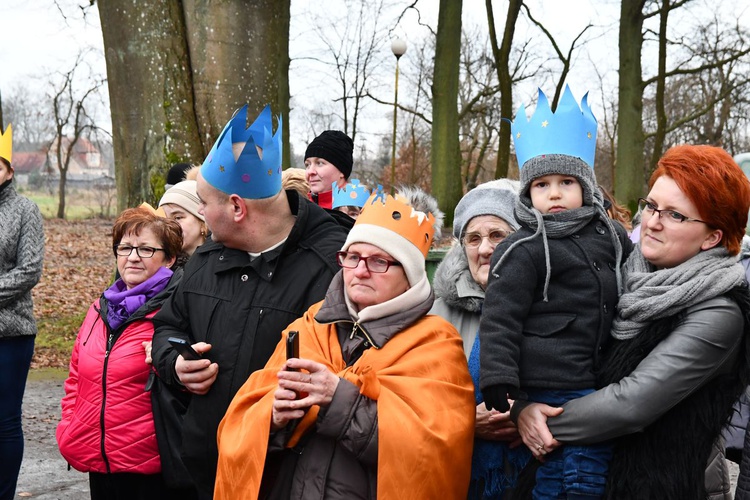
point(677, 360)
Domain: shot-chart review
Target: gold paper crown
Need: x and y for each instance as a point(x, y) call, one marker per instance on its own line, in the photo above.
point(6, 144)
point(395, 214)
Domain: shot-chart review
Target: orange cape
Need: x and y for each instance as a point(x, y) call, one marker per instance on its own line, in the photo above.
point(425, 410)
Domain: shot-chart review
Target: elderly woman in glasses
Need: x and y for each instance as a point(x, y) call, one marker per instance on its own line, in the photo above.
point(678, 358)
point(379, 403)
point(107, 426)
point(483, 218)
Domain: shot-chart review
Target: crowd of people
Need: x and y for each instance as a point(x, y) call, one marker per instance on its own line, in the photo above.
point(274, 334)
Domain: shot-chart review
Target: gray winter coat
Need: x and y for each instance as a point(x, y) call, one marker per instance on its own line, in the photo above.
point(21, 257)
point(531, 343)
point(458, 298)
point(677, 367)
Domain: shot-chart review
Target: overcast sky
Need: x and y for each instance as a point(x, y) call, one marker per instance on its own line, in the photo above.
point(38, 41)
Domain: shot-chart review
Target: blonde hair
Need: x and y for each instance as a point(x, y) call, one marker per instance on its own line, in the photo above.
point(295, 178)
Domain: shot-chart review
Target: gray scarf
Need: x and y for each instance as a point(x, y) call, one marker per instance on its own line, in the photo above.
point(652, 294)
point(561, 225)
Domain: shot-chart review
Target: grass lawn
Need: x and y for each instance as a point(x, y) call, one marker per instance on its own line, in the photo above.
point(55, 339)
point(79, 204)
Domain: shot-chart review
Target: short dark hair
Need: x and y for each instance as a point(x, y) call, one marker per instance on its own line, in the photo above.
point(134, 220)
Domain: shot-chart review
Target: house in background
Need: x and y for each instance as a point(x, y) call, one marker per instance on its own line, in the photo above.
point(27, 163)
point(86, 162)
point(35, 165)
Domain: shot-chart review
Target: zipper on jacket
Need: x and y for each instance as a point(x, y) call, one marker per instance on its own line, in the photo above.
point(110, 337)
point(356, 327)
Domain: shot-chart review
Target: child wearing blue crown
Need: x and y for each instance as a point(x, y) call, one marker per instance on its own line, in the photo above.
point(553, 288)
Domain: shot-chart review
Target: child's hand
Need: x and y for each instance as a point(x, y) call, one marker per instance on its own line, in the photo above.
point(496, 397)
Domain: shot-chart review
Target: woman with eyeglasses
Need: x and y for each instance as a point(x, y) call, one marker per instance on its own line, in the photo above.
point(483, 218)
point(677, 360)
point(379, 402)
point(107, 426)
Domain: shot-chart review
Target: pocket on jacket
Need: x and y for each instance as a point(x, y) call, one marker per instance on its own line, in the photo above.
point(547, 325)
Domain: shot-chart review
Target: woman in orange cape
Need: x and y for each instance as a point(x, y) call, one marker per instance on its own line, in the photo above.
point(382, 404)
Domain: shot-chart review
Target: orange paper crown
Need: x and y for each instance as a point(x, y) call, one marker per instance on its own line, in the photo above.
point(395, 214)
point(6, 144)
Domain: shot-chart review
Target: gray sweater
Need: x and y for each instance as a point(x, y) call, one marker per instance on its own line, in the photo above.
point(21, 257)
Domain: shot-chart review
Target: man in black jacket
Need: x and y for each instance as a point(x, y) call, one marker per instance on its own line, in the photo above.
point(271, 255)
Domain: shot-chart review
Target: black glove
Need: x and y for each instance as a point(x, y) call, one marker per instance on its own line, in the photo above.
point(496, 397)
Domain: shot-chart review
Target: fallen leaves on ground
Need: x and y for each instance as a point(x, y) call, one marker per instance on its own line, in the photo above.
point(78, 266)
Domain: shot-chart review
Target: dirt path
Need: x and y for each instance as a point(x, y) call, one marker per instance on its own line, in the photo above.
point(44, 473)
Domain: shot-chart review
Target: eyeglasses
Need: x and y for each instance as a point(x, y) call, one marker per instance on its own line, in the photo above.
point(142, 252)
point(671, 216)
point(373, 263)
point(473, 240)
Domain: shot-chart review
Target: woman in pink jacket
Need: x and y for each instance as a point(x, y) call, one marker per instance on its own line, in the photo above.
point(107, 426)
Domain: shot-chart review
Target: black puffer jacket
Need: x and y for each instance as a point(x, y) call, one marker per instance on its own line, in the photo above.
point(240, 307)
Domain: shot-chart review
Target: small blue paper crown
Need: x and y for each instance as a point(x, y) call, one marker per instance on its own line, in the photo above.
point(570, 130)
point(353, 194)
point(252, 175)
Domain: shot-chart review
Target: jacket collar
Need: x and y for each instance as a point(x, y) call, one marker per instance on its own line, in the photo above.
point(334, 310)
point(265, 264)
point(324, 200)
point(454, 284)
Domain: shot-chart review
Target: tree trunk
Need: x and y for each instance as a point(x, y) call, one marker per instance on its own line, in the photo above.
point(283, 7)
point(61, 194)
point(661, 83)
point(502, 63)
point(177, 70)
point(446, 153)
point(629, 182)
point(238, 49)
point(148, 72)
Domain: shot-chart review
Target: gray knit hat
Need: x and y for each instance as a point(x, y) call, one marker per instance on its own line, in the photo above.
point(498, 198)
point(560, 164)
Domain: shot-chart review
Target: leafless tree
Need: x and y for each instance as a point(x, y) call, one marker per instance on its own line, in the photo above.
point(71, 110)
point(698, 100)
point(353, 51)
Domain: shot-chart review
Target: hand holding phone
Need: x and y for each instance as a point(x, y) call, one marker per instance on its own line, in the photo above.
point(292, 347)
point(183, 347)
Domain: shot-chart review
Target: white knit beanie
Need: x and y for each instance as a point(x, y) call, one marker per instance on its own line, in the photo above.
point(183, 194)
point(417, 217)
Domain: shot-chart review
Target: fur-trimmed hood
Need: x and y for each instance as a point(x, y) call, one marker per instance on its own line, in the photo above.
point(454, 284)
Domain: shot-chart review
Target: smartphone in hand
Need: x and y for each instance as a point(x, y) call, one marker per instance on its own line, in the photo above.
point(292, 347)
point(183, 347)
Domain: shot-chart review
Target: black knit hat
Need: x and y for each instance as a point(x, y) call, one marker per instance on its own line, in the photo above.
point(177, 173)
point(336, 148)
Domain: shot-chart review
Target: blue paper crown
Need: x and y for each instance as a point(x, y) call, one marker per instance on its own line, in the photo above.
point(570, 130)
point(353, 194)
point(250, 176)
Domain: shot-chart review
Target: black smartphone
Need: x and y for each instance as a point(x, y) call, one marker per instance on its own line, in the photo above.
point(183, 347)
point(292, 346)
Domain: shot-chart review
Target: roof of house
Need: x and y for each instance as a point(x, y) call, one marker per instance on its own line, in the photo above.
point(25, 163)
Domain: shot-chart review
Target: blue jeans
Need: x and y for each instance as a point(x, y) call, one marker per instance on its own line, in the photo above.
point(15, 358)
point(571, 471)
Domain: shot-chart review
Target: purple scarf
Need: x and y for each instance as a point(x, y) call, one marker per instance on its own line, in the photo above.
point(122, 303)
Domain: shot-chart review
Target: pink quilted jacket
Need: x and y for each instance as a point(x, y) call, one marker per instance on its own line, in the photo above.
point(107, 425)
